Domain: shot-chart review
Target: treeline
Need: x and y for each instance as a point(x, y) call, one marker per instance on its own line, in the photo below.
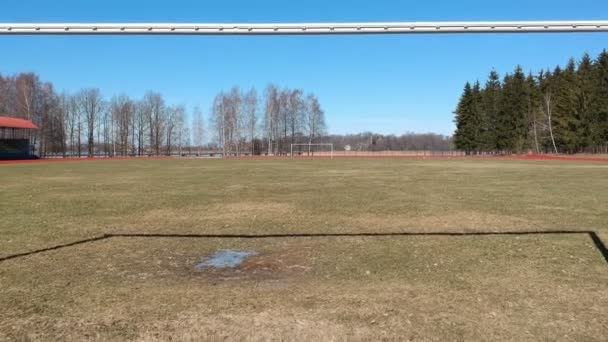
point(87, 123)
point(290, 117)
point(564, 110)
point(371, 142)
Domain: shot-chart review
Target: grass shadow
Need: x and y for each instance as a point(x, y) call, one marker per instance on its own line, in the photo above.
point(597, 241)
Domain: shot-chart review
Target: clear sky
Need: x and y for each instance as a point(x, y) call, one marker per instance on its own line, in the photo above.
point(387, 84)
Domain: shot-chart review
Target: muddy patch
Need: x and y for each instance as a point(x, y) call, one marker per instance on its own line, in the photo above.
point(250, 264)
point(224, 259)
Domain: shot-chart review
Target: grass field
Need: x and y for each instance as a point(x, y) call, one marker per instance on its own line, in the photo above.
point(141, 283)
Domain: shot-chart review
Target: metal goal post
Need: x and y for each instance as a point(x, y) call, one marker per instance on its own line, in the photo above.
point(331, 146)
point(229, 29)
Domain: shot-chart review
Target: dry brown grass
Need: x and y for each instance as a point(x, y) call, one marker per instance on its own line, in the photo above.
point(514, 288)
point(455, 221)
point(295, 196)
point(396, 288)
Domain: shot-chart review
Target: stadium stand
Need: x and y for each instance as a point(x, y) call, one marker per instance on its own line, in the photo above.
point(15, 138)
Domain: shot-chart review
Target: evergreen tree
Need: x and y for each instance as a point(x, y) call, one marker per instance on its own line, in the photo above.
point(587, 81)
point(601, 101)
point(469, 120)
point(463, 137)
point(490, 107)
point(478, 119)
point(534, 114)
point(512, 127)
point(567, 121)
point(565, 110)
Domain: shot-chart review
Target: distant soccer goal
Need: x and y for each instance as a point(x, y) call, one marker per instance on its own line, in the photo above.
point(305, 150)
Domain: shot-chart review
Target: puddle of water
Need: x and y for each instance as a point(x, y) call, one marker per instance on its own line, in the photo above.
point(224, 259)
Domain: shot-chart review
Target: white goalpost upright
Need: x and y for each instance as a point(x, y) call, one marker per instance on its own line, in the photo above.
point(273, 148)
point(331, 146)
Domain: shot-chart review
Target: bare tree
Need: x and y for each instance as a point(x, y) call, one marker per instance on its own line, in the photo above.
point(25, 104)
point(155, 110)
point(80, 124)
point(67, 113)
point(91, 103)
point(233, 119)
point(174, 123)
point(170, 125)
point(226, 118)
point(284, 111)
point(315, 119)
point(67, 102)
point(271, 116)
point(198, 129)
point(106, 127)
point(183, 131)
point(26, 86)
point(250, 106)
point(140, 126)
point(295, 111)
point(6, 94)
point(123, 112)
point(548, 107)
point(49, 116)
point(217, 120)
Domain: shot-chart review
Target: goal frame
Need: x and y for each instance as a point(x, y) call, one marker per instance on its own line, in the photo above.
point(331, 155)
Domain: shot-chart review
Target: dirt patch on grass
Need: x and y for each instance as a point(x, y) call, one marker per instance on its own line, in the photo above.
point(285, 261)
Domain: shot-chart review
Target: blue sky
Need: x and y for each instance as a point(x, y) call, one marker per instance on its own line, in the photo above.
point(388, 84)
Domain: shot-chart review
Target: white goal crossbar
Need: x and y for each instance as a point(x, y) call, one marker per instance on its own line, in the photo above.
point(331, 155)
point(231, 29)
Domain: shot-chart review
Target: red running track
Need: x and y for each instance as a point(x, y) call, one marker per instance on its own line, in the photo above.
point(566, 158)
